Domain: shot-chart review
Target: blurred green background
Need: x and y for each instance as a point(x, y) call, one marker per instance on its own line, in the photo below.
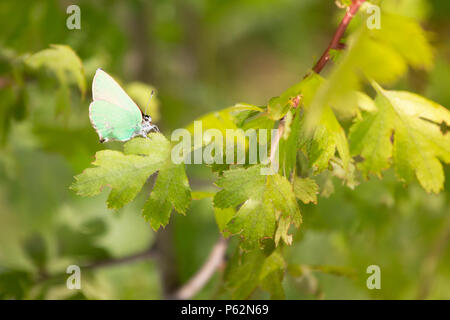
point(200, 55)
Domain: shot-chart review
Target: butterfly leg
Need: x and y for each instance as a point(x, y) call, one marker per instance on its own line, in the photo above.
point(155, 127)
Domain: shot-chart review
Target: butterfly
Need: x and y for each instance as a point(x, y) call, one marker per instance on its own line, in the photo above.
point(113, 114)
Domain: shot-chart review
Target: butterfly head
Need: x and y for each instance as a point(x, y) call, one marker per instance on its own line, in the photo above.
point(146, 118)
point(147, 125)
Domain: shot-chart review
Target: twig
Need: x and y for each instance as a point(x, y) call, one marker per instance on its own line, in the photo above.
point(335, 41)
point(196, 283)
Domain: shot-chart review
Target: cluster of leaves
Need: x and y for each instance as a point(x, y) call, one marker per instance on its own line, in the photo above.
point(398, 129)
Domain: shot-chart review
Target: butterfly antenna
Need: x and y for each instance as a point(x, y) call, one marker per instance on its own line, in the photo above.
point(150, 99)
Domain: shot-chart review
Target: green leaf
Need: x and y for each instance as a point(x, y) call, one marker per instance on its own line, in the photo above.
point(370, 138)
point(321, 143)
point(223, 216)
point(125, 173)
point(289, 142)
point(61, 60)
point(272, 275)
point(327, 138)
point(254, 221)
point(155, 145)
point(239, 185)
point(171, 190)
point(222, 120)
point(406, 131)
point(264, 200)
point(248, 270)
point(306, 189)
point(407, 38)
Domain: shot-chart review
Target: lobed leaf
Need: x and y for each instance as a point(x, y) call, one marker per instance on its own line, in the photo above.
point(406, 130)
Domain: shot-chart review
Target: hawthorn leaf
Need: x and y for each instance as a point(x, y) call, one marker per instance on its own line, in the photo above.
point(306, 189)
point(254, 221)
point(263, 199)
point(171, 190)
point(406, 130)
point(327, 138)
point(239, 185)
point(370, 138)
point(125, 173)
point(155, 145)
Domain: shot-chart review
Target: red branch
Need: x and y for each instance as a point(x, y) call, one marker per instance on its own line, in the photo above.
point(335, 41)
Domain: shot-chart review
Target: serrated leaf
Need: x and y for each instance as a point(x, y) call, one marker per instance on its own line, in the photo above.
point(306, 189)
point(370, 138)
point(405, 130)
point(239, 185)
point(126, 173)
point(171, 190)
point(254, 221)
point(327, 138)
point(264, 200)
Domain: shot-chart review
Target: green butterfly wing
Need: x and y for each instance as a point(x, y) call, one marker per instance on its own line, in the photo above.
point(113, 113)
point(113, 122)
